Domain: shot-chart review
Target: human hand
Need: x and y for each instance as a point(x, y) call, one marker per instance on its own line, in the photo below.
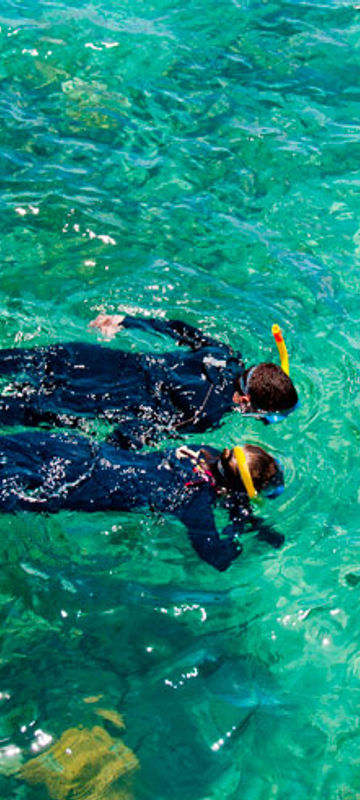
point(185, 452)
point(108, 324)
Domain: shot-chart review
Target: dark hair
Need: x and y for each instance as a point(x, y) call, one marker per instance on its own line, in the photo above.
point(264, 470)
point(270, 389)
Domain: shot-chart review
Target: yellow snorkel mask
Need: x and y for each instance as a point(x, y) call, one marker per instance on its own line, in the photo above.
point(244, 471)
point(281, 346)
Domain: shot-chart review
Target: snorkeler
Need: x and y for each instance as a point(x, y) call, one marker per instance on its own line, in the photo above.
point(42, 471)
point(146, 395)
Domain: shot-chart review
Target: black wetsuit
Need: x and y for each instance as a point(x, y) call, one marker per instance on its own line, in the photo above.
point(143, 394)
point(44, 471)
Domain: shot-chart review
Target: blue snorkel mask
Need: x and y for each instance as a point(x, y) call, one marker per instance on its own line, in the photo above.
point(267, 417)
point(271, 417)
point(273, 488)
point(276, 486)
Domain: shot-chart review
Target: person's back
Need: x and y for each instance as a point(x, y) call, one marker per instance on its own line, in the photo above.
point(144, 394)
point(48, 472)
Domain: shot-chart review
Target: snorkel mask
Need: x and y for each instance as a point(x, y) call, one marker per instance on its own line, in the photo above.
point(271, 417)
point(271, 491)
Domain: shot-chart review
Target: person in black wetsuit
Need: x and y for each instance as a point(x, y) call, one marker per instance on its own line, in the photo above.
point(144, 395)
point(42, 471)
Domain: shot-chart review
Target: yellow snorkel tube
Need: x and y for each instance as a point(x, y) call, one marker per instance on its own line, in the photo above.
point(281, 346)
point(244, 471)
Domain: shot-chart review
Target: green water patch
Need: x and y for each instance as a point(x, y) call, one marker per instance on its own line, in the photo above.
point(195, 161)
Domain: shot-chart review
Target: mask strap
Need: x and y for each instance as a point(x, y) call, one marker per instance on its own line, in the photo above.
point(244, 385)
point(220, 468)
point(244, 471)
point(281, 346)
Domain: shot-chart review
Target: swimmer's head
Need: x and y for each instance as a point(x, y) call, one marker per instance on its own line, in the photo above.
point(250, 469)
point(267, 392)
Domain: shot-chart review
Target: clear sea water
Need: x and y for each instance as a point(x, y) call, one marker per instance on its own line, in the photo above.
point(198, 160)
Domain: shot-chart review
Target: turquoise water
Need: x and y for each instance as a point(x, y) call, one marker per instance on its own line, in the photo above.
point(196, 160)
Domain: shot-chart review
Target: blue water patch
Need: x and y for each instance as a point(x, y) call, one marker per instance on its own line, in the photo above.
point(197, 161)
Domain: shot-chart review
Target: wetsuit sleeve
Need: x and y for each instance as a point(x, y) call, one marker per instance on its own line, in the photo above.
point(266, 533)
point(199, 519)
point(182, 332)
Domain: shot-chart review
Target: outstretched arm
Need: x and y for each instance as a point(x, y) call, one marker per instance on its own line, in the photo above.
point(266, 533)
point(182, 332)
point(199, 519)
point(241, 514)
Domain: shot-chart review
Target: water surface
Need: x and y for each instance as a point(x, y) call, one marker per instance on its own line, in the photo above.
point(197, 160)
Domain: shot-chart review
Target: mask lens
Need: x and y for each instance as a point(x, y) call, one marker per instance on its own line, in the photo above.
point(272, 419)
point(277, 416)
point(276, 486)
point(273, 491)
